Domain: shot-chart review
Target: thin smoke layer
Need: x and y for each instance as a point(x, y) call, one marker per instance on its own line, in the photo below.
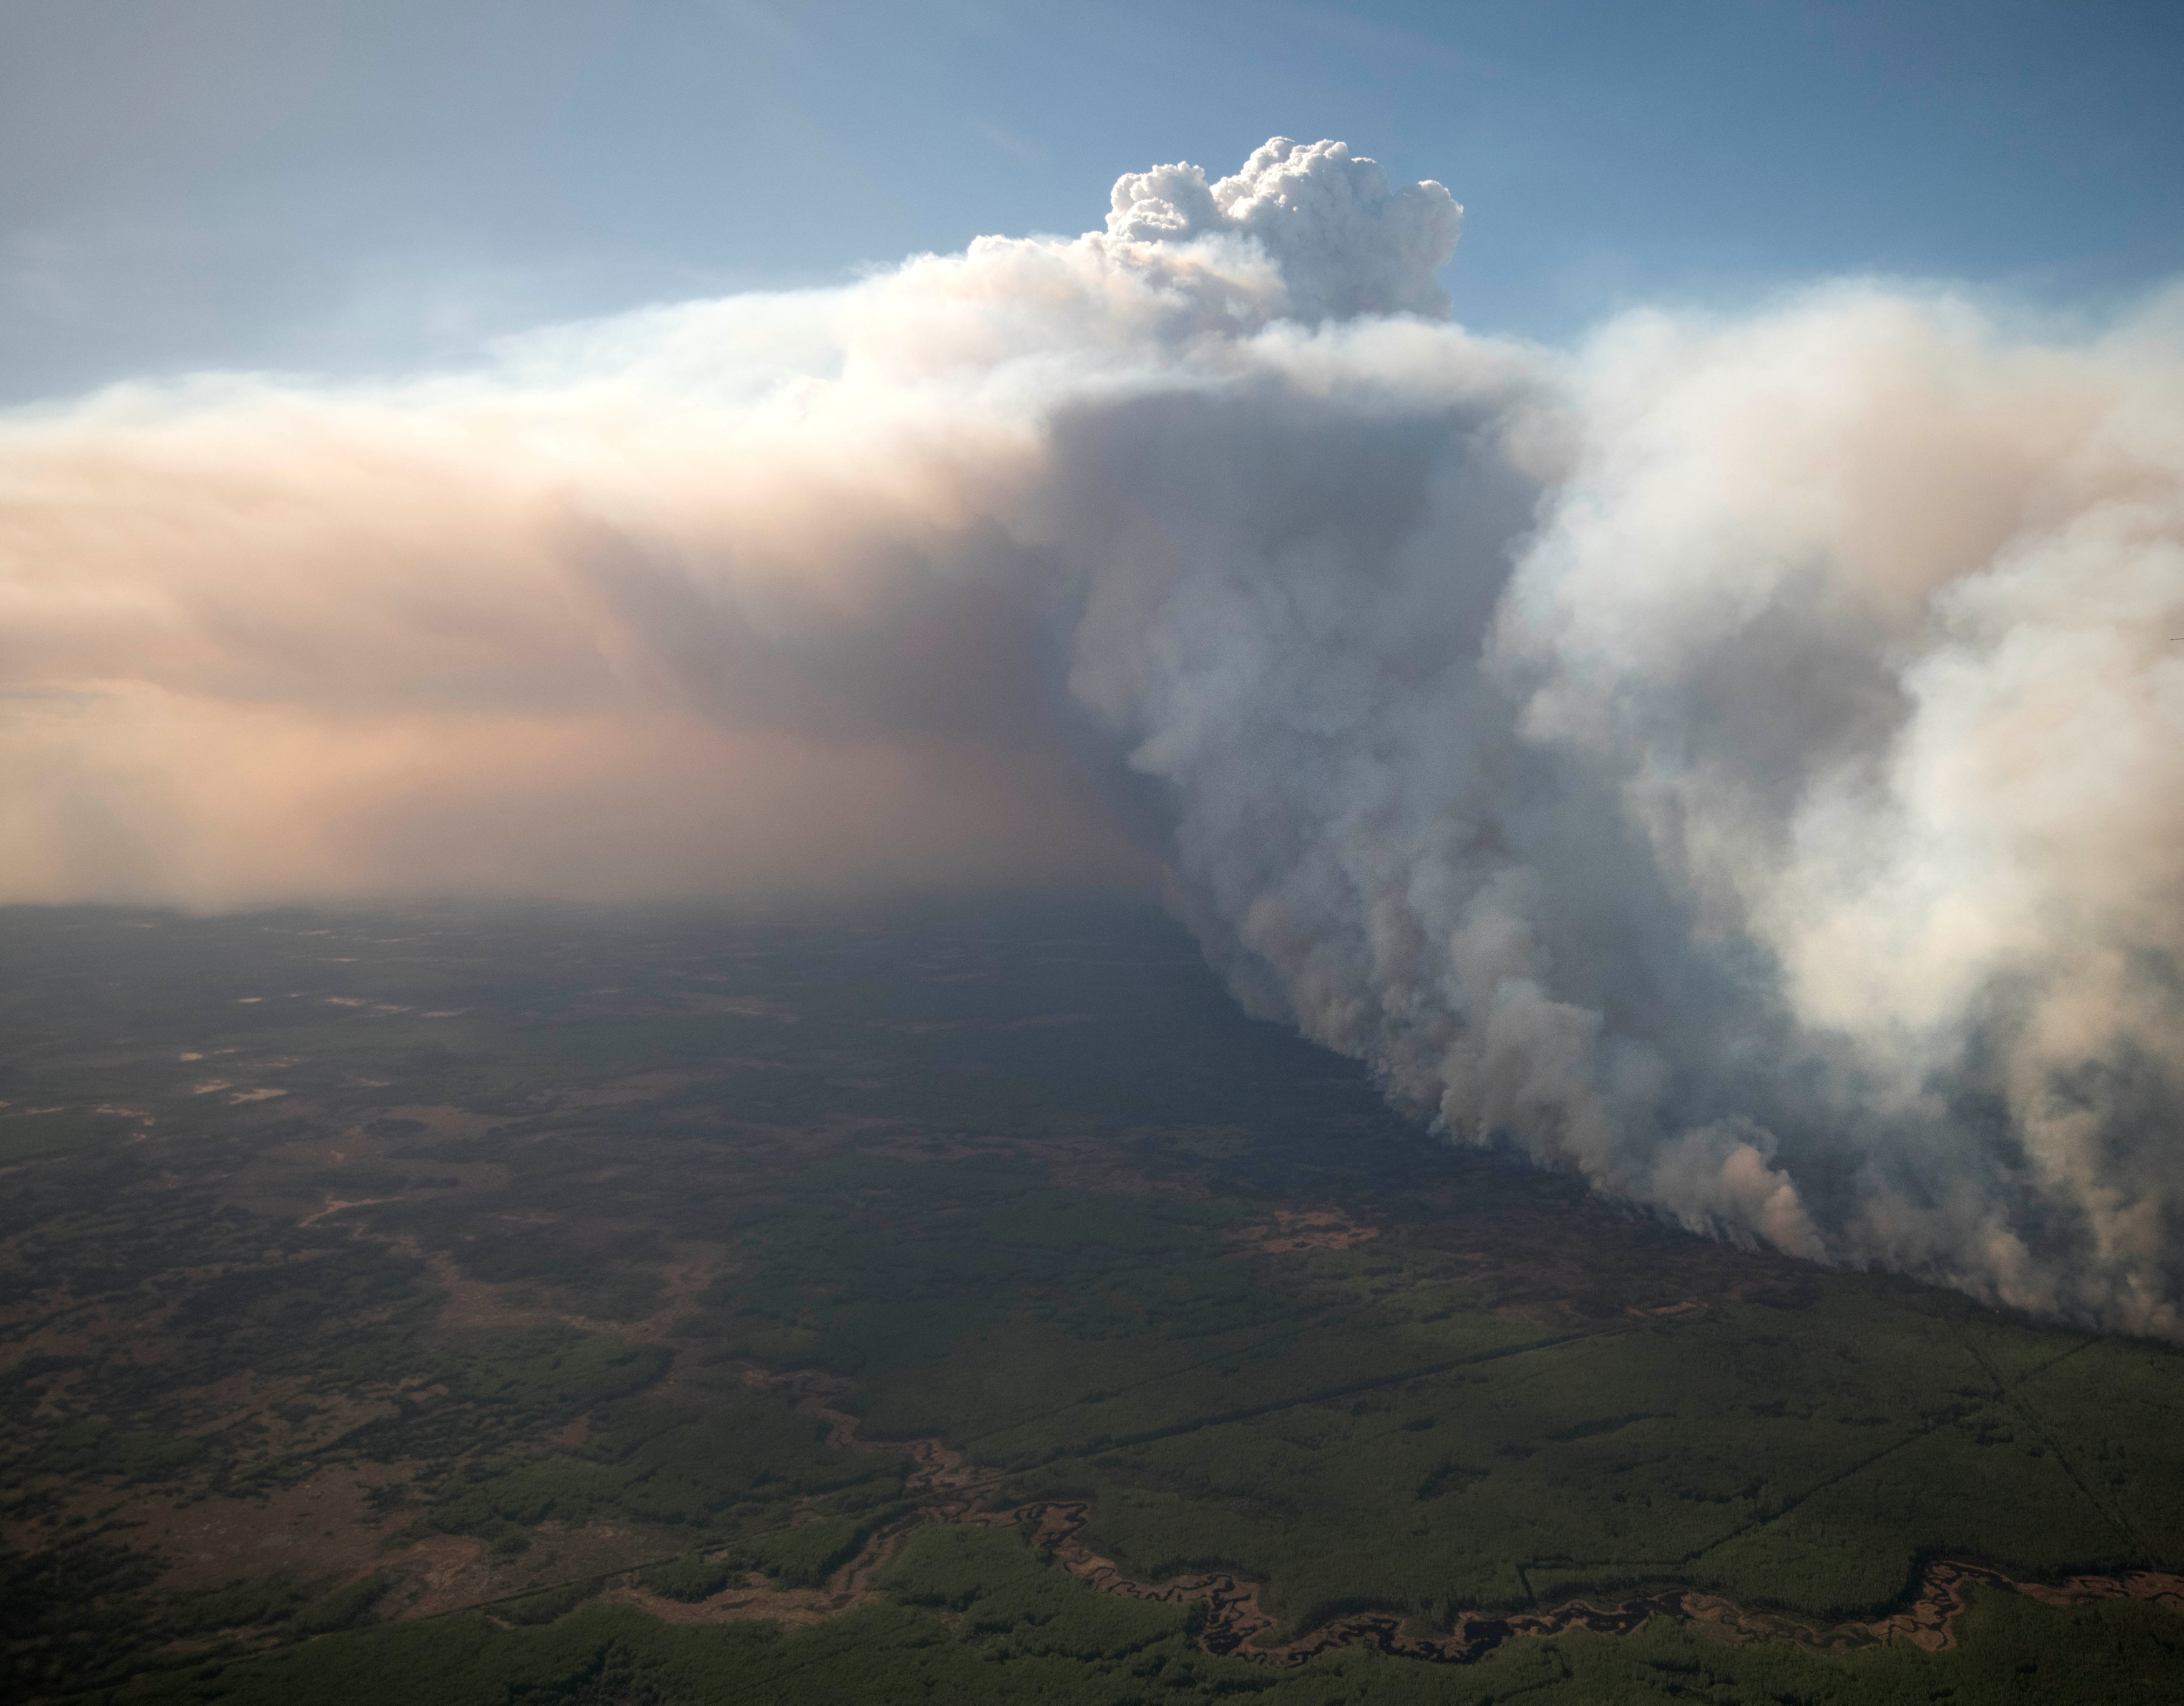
point(1738, 761)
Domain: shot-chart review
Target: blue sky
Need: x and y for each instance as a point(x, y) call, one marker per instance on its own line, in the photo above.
point(347, 187)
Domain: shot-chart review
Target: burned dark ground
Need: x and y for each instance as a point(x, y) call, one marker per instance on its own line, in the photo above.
point(951, 1302)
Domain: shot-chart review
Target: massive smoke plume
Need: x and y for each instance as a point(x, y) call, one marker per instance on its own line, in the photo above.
point(1742, 762)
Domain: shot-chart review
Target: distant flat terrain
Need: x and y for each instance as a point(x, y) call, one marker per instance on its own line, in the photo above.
point(950, 1303)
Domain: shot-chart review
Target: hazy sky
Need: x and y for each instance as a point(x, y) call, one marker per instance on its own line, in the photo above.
point(347, 186)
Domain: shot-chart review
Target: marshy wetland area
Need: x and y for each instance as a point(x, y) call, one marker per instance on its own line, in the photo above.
point(951, 1304)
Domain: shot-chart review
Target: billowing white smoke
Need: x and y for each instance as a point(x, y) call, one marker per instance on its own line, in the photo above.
point(1742, 762)
point(1340, 242)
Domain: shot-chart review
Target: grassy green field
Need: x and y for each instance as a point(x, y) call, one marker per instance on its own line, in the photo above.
point(449, 1303)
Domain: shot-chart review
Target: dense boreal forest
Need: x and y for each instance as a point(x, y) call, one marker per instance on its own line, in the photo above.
point(953, 1303)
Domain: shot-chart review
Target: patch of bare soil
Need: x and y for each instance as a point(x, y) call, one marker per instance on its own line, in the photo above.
point(322, 1527)
point(66, 1328)
point(1306, 1228)
point(755, 1599)
point(439, 1573)
point(447, 1572)
point(476, 1303)
point(444, 1120)
point(334, 1205)
point(485, 1303)
point(685, 1282)
point(2158, 1586)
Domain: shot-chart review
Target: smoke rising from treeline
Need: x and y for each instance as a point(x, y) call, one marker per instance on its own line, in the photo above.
point(1741, 761)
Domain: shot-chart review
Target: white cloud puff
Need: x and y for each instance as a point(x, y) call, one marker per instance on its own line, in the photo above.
point(1343, 241)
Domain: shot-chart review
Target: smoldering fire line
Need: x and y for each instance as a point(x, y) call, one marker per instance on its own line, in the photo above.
point(1738, 761)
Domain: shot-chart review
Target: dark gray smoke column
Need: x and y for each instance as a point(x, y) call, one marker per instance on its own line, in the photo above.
point(1741, 765)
